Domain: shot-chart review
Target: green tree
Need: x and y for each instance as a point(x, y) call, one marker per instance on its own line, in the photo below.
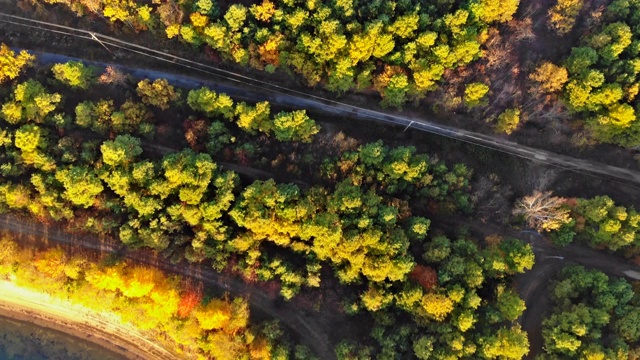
point(628, 326)
point(211, 103)
point(510, 304)
point(120, 151)
point(157, 93)
point(81, 185)
point(74, 74)
point(396, 91)
point(294, 126)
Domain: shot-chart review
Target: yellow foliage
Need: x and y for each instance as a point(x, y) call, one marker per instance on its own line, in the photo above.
point(139, 281)
point(562, 16)
point(508, 121)
point(495, 10)
point(264, 11)
point(215, 315)
point(269, 50)
point(11, 64)
point(172, 30)
point(551, 77)
point(198, 20)
point(437, 306)
point(51, 263)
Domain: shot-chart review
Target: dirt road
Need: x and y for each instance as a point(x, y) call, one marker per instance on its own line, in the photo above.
point(245, 87)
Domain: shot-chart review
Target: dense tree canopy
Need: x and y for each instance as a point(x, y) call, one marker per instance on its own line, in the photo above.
point(594, 317)
point(336, 43)
point(603, 83)
point(354, 219)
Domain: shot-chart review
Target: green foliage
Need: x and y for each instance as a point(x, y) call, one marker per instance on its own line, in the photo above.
point(588, 305)
point(603, 76)
point(395, 92)
point(294, 126)
point(510, 256)
point(102, 117)
point(286, 126)
point(121, 151)
point(510, 304)
point(210, 103)
point(157, 93)
point(336, 43)
point(608, 225)
point(403, 173)
point(73, 74)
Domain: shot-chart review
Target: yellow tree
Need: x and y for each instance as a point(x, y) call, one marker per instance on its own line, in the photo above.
point(11, 64)
point(550, 77)
point(508, 121)
point(495, 10)
point(215, 315)
point(158, 93)
point(562, 16)
point(438, 306)
point(73, 73)
point(474, 93)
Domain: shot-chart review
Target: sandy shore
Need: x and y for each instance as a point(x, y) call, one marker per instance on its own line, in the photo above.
point(104, 329)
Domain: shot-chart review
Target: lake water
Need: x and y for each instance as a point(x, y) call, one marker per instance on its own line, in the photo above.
point(26, 341)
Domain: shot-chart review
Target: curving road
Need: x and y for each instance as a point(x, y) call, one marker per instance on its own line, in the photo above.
point(292, 98)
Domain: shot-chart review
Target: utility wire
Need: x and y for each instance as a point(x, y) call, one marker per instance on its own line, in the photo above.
point(455, 134)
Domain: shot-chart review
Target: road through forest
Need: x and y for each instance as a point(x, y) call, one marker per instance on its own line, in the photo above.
point(237, 85)
point(533, 284)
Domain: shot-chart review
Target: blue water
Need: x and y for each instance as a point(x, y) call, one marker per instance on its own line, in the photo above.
point(26, 341)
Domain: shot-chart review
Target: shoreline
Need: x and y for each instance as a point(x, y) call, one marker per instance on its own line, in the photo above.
point(102, 329)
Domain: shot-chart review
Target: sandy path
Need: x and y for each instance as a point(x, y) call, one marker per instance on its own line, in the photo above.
point(104, 329)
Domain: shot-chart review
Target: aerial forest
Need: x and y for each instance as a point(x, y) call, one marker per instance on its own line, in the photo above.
point(289, 178)
point(74, 156)
point(444, 56)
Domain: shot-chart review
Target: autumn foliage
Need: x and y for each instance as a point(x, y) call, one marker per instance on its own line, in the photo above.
point(189, 299)
point(426, 276)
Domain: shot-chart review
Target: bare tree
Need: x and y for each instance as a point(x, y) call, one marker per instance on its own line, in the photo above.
point(113, 76)
point(543, 211)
